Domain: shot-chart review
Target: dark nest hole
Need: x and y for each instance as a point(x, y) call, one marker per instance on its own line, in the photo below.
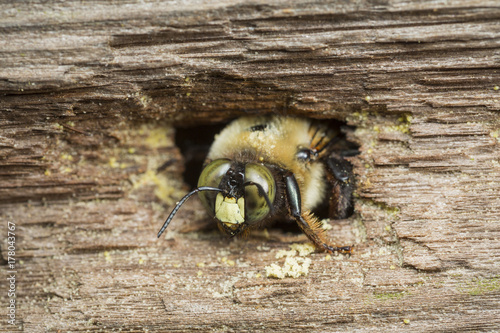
point(194, 143)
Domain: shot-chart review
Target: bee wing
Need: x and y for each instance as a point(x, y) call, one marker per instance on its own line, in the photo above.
point(322, 139)
point(342, 181)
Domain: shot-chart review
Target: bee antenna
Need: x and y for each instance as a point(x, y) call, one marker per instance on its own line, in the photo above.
point(181, 202)
point(262, 193)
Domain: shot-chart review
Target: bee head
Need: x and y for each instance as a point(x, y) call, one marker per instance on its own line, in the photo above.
point(246, 196)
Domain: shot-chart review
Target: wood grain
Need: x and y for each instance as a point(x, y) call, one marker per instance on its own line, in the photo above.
point(91, 94)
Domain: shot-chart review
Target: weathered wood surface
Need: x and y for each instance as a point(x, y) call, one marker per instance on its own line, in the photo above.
point(90, 92)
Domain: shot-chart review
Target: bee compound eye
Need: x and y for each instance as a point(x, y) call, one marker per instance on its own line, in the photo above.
point(211, 176)
point(259, 184)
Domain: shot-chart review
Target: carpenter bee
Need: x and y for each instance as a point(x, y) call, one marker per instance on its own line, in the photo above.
point(260, 169)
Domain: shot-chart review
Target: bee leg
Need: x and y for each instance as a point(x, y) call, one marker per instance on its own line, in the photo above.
point(307, 222)
point(313, 228)
point(342, 181)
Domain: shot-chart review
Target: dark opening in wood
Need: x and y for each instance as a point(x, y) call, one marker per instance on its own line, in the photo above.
point(195, 141)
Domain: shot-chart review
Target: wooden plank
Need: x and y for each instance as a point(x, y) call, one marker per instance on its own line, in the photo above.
point(91, 94)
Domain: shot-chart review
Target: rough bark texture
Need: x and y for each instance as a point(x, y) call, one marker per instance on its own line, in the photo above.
point(90, 95)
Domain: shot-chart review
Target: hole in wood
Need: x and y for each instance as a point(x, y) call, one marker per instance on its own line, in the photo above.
point(195, 141)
